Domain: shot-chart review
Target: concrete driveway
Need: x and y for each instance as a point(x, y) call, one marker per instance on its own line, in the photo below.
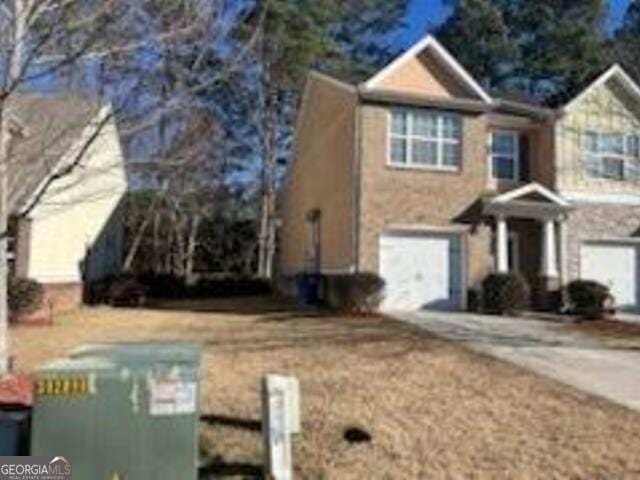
point(545, 348)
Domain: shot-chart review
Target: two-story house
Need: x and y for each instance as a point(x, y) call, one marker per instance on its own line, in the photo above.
point(422, 176)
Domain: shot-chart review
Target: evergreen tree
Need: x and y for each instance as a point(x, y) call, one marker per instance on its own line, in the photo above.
point(479, 37)
point(292, 36)
point(625, 46)
point(545, 49)
point(561, 44)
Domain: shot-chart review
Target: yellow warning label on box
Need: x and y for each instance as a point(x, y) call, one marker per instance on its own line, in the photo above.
point(64, 386)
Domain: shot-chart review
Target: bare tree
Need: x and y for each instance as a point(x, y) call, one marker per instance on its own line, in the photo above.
point(112, 48)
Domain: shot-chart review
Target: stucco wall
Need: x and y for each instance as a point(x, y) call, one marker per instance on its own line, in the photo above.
point(605, 109)
point(80, 213)
point(321, 177)
point(392, 196)
point(599, 222)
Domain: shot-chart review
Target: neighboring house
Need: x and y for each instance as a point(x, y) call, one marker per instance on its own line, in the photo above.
point(422, 176)
point(66, 231)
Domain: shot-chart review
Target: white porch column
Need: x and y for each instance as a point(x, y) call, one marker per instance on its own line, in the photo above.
point(502, 247)
point(549, 250)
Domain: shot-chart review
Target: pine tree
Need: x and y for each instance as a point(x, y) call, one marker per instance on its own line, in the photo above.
point(625, 46)
point(292, 37)
point(479, 37)
point(545, 49)
point(561, 44)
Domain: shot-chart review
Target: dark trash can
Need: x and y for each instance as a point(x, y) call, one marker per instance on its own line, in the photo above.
point(308, 288)
point(15, 430)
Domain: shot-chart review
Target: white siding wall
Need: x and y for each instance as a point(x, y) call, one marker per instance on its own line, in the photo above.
point(608, 110)
point(80, 212)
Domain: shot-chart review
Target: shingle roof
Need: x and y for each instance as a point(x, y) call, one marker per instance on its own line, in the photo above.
point(50, 123)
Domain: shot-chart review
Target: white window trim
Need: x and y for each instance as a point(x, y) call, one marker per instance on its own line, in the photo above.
point(409, 138)
point(625, 158)
point(516, 158)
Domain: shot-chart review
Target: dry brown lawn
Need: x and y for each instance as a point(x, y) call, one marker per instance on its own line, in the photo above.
point(434, 409)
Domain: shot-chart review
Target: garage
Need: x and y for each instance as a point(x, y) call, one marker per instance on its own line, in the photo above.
point(613, 264)
point(422, 270)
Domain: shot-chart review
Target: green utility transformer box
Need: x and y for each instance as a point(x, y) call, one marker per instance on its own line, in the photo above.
point(121, 411)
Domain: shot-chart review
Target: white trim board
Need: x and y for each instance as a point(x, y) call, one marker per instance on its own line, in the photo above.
point(417, 228)
point(529, 189)
point(614, 71)
point(430, 42)
point(608, 198)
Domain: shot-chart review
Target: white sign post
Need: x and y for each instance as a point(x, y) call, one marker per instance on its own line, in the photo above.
point(280, 419)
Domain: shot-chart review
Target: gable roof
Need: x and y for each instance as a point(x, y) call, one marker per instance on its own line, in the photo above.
point(615, 71)
point(51, 124)
point(531, 189)
point(431, 43)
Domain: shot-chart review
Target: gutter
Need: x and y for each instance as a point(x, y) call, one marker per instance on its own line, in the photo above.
point(357, 185)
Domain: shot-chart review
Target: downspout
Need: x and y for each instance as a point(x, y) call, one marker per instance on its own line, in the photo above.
point(357, 184)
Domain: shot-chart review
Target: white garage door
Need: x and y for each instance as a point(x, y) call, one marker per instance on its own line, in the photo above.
point(614, 265)
point(422, 271)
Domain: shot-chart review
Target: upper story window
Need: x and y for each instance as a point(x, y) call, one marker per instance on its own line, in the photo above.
point(423, 138)
point(505, 155)
point(612, 156)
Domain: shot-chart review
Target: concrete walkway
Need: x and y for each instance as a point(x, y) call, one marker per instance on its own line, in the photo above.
point(543, 347)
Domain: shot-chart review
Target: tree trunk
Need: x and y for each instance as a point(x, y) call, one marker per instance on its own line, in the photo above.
point(4, 224)
point(137, 241)
point(192, 243)
point(20, 15)
point(157, 263)
point(266, 239)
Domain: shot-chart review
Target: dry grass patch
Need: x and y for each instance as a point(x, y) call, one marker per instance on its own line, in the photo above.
point(435, 410)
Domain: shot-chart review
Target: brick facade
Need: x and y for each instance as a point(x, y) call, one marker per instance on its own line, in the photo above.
point(392, 196)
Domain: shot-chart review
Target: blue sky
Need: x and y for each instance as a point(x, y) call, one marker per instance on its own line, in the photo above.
point(424, 14)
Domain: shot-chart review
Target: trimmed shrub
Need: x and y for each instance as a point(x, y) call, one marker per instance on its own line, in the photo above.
point(590, 299)
point(505, 293)
point(24, 295)
point(354, 292)
point(163, 285)
point(229, 286)
point(127, 292)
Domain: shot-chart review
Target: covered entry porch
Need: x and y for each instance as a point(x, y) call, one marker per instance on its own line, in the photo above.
point(530, 237)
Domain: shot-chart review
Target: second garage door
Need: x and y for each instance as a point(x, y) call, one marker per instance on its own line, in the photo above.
point(422, 271)
point(614, 265)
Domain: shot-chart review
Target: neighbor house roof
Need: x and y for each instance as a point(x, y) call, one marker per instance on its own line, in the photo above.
point(370, 88)
point(617, 72)
point(50, 124)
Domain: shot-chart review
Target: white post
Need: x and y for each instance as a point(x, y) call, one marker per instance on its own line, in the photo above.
point(564, 259)
point(281, 418)
point(549, 250)
point(502, 247)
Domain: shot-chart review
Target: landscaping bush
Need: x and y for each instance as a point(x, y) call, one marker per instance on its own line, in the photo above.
point(24, 295)
point(127, 292)
point(354, 292)
point(590, 299)
point(229, 286)
point(163, 285)
point(505, 293)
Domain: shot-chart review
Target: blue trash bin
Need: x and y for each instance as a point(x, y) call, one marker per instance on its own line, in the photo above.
point(308, 288)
